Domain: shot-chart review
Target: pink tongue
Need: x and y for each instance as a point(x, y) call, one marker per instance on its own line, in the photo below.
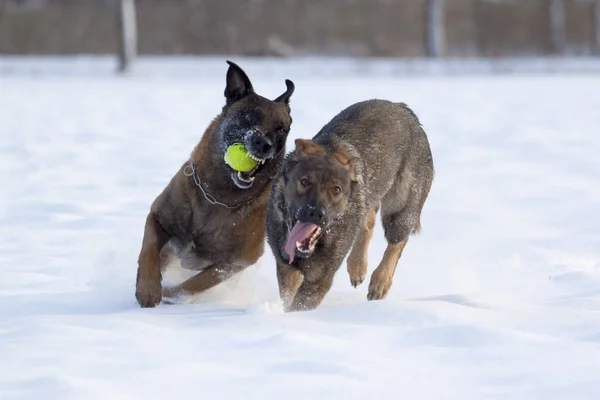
point(300, 232)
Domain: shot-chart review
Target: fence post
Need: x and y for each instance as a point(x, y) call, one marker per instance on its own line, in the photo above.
point(127, 30)
point(557, 24)
point(436, 31)
point(597, 26)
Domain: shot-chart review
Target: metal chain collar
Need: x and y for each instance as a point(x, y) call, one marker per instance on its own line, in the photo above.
point(190, 170)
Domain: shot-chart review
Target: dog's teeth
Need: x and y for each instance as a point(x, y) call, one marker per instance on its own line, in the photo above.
point(241, 177)
point(303, 249)
point(255, 158)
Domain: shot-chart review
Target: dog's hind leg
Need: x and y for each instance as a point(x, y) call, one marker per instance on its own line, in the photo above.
point(204, 280)
point(357, 260)
point(148, 290)
point(400, 215)
point(382, 277)
point(397, 226)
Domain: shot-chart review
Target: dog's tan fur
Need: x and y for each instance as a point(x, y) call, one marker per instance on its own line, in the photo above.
point(217, 239)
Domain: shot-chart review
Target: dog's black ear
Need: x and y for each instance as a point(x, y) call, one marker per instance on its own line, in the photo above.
point(285, 98)
point(238, 84)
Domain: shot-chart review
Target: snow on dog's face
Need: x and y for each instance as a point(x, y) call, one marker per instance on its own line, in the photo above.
point(260, 124)
point(316, 193)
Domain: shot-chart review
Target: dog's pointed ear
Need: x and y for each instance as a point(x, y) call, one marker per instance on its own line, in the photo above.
point(345, 159)
point(238, 83)
point(306, 148)
point(285, 97)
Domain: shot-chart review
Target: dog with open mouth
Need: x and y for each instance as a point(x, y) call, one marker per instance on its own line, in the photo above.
point(211, 216)
point(372, 156)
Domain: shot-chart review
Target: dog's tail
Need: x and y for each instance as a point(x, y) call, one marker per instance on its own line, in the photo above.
point(417, 228)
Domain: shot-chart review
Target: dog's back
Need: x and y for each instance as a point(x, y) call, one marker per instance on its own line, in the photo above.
point(397, 165)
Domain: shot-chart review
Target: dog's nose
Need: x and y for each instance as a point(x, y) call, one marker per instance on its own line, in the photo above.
point(317, 214)
point(314, 214)
point(262, 145)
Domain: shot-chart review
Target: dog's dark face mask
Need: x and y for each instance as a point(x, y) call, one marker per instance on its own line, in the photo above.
point(317, 191)
point(260, 124)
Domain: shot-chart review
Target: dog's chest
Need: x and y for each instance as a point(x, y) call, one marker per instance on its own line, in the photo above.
point(215, 234)
point(228, 238)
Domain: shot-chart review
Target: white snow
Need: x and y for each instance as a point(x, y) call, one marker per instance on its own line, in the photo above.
point(498, 298)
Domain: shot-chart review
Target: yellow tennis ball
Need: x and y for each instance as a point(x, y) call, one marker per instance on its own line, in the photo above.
point(237, 158)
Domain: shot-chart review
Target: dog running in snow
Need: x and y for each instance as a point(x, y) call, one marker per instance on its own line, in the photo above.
point(372, 156)
point(209, 216)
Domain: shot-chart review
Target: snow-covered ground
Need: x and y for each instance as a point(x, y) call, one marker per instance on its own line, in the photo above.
point(498, 298)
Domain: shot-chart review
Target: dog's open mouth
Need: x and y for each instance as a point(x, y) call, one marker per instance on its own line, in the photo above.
point(244, 180)
point(302, 240)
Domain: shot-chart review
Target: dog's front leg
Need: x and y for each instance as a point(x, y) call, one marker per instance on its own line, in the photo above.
point(357, 260)
point(148, 290)
point(312, 291)
point(289, 280)
point(204, 280)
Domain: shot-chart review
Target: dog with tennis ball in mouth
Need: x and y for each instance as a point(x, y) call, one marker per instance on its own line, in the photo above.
point(211, 215)
point(374, 155)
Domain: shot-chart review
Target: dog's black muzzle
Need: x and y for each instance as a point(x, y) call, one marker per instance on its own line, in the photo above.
point(260, 148)
point(314, 214)
point(260, 145)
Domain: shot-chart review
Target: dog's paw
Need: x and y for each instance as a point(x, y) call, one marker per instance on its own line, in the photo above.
point(148, 294)
point(357, 271)
point(171, 295)
point(357, 281)
point(379, 287)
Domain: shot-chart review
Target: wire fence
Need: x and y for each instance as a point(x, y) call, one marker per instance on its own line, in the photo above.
point(357, 28)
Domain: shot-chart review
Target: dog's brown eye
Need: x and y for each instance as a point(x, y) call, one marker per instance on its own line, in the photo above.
point(304, 182)
point(337, 190)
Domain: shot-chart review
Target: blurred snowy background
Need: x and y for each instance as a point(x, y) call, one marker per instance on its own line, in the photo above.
point(498, 298)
